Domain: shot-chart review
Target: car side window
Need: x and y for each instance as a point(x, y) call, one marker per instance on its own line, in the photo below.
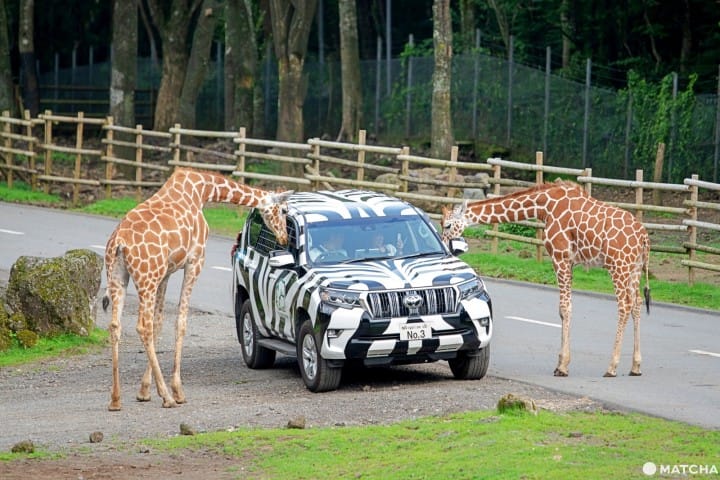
point(261, 237)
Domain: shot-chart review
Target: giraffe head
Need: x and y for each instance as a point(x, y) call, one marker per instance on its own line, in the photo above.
point(273, 208)
point(453, 222)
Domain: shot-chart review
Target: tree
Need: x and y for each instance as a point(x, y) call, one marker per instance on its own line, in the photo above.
point(173, 25)
point(241, 63)
point(350, 71)
point(198, 63)
point(291, 24)
point(124, 62)
point(26, 45)
point(6, 81)
point(441, 130)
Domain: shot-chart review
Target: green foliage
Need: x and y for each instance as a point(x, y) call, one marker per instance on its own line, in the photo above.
point(27, 338)
point(116, 207)
point(22, 193)
point(660, 118)
point(517, 229)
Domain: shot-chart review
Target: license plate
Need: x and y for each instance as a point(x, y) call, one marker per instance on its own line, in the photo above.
point(415, 331)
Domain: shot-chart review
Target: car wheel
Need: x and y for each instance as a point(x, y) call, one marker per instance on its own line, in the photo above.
point(254, 354)
point(316, 372)
point(466, 367)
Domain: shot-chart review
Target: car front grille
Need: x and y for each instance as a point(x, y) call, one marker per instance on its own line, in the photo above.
point(436, 301)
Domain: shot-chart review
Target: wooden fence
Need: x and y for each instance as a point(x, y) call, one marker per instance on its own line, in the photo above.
point(122, 158)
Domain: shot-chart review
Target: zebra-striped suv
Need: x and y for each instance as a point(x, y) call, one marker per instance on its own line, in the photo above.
point(364, 278)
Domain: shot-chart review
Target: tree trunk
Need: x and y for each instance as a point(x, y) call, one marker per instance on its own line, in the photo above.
point(173, 24)
point(686, 41)
point(291, 23)
point(198, 63)
point(26, 46)
point(350, 71)
point(567, 29)
point(6, 82)
point(124, 62)
point(241, 61)
point(467, 25)
point(441, 129)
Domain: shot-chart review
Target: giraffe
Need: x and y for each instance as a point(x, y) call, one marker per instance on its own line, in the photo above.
point(579, 229)
point(166, 233)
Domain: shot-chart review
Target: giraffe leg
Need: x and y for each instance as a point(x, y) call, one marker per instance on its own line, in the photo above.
point(637, 357)
point(144, 392)
point(625, 303)
point(192, 270)
point(117, 296)
point(563, 272)
point(145, 331)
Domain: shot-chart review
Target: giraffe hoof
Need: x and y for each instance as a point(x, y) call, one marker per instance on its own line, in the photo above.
point(114, 407)
point(635, 374)
point(560, 373)
point(609, 375)
point(170, 403)
point(143, 398)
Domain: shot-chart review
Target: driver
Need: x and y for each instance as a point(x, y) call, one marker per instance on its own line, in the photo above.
point(333, 244)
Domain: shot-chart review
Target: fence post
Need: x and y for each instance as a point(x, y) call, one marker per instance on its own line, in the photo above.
point(8, 145)
point(539, 179)
point(692, 229)
point(176, 144)
point(31, 147)
point(240, 152)
point(404, 170)
point(408, 92)
point(588, 185)
point(316, 165)
point(138, 159)
point(109, 166)
point(48, 153)
point(78, 156)
point(495, 242)
point(639, 195)
point(452, 174)
point(362, 135)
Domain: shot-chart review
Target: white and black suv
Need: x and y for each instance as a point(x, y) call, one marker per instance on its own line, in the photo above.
point(364, 277)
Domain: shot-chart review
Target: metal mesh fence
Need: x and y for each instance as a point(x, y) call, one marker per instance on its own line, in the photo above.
point(514, 110)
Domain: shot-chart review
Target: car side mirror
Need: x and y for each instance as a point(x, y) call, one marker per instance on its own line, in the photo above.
point(281, 259)
point(458, 246)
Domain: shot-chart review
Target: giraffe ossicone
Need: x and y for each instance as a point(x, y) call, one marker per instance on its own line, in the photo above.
point(164, 234)
point(579, 229)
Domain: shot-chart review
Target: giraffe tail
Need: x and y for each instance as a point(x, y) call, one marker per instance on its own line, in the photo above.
point(646, 290)
point(111, 260)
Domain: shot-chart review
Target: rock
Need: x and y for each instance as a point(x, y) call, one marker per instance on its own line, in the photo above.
point(298, 422)
point(56, 295)
point(26, 446)
point(96, 437)
point(510, 403)
point(186, 429)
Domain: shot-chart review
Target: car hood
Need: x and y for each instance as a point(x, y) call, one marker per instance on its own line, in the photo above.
point(391, 274)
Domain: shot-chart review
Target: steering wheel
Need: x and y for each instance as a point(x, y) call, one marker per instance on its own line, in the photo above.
point(332, 255)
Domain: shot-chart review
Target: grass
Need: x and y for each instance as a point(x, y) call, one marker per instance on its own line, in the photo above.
point(52, 347)
point(468, 445)
point(21, 193)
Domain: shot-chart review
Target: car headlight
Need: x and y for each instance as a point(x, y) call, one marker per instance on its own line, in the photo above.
point(471, 289)
point(340, 298)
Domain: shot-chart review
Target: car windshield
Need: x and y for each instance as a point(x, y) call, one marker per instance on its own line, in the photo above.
point(371, 238)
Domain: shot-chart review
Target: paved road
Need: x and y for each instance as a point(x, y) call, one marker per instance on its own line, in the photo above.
point(681, 346)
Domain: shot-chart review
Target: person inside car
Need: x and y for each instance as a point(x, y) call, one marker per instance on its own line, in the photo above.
point(331, 246)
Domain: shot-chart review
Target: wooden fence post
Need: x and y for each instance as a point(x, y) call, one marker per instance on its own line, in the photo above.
point(362, 138)
point(240, 152)
point(7, 129)
point(176, 143)
point(138, 159)
point(692, 229)
point(109, 166)
point(404, 170)
point(452, 174)
point(657, 174)
point(495, 243)
point(316, 164)
point(79, 129)
point(539, 179)
point(639, 194)
point(48, 152)
point(31, 148)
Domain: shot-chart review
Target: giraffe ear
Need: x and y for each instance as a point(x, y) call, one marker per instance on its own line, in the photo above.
point(280, 197)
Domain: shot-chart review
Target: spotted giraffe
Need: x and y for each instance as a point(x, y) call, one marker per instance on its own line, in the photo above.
point(579, 229)
point(166, 233)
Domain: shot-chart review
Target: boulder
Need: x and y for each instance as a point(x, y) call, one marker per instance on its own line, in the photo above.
point(56, 295)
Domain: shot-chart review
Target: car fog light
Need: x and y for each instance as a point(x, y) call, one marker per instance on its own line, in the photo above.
point(334, 332)
point(485, 322)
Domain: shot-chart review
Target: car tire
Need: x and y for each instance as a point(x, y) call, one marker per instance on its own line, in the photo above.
point(467, 367)
point(317, 373)
point(255, 355)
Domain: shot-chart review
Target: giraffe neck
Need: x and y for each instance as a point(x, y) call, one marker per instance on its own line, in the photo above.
point(201, 187)
point(526, 205)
